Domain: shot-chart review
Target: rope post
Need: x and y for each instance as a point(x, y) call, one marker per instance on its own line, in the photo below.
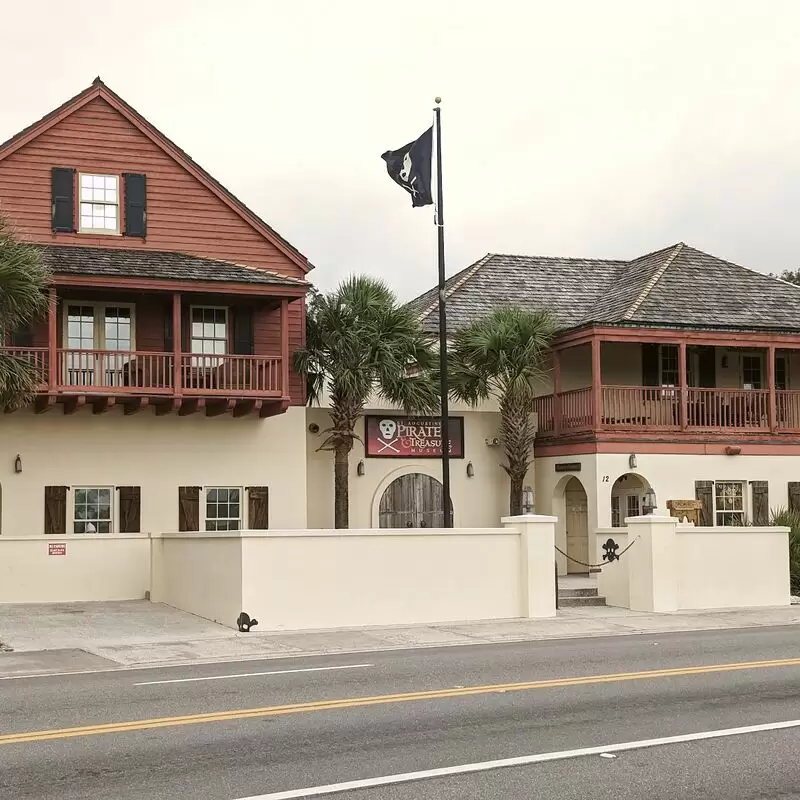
point(556, 583)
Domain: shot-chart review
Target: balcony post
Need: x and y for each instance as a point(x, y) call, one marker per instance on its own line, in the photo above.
point(597, 386)
point(176, 344)
point(684, 388)
point(54, 368)
point(285, 347)
point(773, 407)
point(556, 392)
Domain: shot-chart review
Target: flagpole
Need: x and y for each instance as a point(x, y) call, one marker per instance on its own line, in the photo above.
point(443, 389)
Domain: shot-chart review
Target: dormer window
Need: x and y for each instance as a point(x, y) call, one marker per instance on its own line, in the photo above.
point(99, 203)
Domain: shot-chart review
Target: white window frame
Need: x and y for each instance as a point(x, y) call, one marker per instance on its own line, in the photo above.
point(112, 512)
point(118, 205)
point(207, 519)
point(746, 501)
point(209, 359)
point(99, 322)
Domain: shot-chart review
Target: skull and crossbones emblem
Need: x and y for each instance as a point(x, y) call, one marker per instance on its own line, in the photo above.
point(388, 435)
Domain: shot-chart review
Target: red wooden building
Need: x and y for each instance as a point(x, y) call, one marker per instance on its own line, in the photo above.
point(168, 291)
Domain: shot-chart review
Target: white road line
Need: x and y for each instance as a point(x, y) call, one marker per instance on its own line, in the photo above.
point(520, 761)
point(254, 674)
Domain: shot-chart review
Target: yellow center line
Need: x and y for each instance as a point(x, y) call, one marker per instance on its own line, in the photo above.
point(383, 699)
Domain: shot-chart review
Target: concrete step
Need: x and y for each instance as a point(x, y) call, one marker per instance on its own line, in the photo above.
point(572, 602)
point(566, 591)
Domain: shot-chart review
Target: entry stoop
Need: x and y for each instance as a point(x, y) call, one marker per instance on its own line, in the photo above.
point(574, 591)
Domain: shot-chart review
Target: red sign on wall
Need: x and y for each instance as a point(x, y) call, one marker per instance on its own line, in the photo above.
point(57, 548)
point(412, 437)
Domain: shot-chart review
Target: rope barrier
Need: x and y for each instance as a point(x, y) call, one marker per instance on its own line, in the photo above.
point(594, 566)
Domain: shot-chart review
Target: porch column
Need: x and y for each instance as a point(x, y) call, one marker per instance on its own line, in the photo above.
point(176, 344)
point(285, 347)
point(54, 368)
point(773, 407)
point(684, 389)
point(556, 392)
point(597, 387)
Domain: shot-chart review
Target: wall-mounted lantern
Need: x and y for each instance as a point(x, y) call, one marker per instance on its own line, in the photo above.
point(470, 470)
point(18, 463)
point(649, 501)
point(632, 461)
point(360, 469)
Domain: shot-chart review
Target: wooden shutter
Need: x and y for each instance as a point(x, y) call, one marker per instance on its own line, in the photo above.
point(706, 367)
point(22, 337)
point(130, 509)
point(242, 331)
point(169, 344)
point(55, 510)
point(135, 204)
point(650, 365)
point(258, 507)
point(189, 508)
point(704, 492)
point(794, 495)
point(760, 502)
point(62, 181)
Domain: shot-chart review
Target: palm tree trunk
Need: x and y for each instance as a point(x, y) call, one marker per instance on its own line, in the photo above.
point(515, 496)
point(341, 486)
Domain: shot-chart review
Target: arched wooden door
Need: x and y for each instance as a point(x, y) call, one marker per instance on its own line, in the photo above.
point(412, 501)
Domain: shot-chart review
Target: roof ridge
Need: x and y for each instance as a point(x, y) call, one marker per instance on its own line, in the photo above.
point(459, 279)
point(653, 280)
point(562, 258)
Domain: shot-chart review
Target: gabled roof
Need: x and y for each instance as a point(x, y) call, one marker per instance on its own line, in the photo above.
point(99, 89)
point(114, 261)
point(677, 286)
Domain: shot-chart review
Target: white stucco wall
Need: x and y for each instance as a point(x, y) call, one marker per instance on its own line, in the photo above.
point(92, 569)
point(159, 454)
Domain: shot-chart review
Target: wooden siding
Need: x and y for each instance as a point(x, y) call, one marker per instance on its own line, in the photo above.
point(182, 214)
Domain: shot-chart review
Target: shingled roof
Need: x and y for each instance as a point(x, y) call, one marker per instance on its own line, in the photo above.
point(677, 286)
point(114, 261)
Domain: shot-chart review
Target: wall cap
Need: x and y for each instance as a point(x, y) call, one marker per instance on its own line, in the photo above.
point(525, 519)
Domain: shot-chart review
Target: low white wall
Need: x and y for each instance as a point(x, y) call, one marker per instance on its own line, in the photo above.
point(674, 567)
point(200, 573)
point(724, 567)
point(293, 580)
point(612, 580)
point(107, 567)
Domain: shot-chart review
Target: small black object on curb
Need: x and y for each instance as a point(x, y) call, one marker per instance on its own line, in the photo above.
point(245, 623)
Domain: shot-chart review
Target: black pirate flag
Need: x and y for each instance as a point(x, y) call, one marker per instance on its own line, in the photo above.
point(410, 166)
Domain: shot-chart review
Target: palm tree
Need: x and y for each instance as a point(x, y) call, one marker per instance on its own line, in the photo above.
point(23, 281)
point(501, 355)
point(360, 341)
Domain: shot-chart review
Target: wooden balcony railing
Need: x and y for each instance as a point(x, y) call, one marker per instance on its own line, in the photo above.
point(108, 372)
point(659, 408)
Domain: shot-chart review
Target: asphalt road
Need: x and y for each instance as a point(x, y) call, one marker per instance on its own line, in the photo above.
point(266, 728)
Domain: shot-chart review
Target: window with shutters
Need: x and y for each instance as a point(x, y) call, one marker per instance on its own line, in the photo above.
point(223, 508)
point(99, 203)
point(93, 510)
point(730, 503)
point(209, 335)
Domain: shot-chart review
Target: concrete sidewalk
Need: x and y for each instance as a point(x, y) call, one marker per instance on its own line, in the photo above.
point(86, 636)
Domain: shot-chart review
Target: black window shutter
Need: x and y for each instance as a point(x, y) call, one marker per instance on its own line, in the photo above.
point(243, 331)
point(63, 199)
point(55, 510)
point(760, 502)
point(169, 343)
point(22, 337)
point(258, 508)
point(703, 491)
point(706, 367)
point(650, 365)
point(794, 496)
point(130, 509)
point(189, 508)
point(135, 204)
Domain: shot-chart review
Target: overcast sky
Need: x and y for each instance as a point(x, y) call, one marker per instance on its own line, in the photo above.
point(599, 129)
